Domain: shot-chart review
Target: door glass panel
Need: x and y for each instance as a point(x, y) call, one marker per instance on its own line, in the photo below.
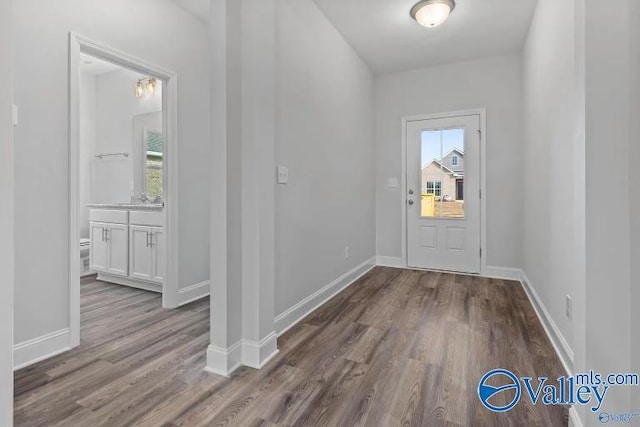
point(442, 180)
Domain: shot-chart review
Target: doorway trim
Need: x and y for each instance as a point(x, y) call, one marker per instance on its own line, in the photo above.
point(482, 112)
point(80, 44)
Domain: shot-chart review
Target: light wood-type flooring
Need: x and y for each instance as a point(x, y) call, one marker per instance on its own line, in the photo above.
point(397, 348)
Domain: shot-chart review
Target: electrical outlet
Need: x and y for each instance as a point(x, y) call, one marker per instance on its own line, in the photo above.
point(346, 252)
point(569, 307)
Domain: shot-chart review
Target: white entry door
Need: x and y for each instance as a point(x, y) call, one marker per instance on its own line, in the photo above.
point(443, 194)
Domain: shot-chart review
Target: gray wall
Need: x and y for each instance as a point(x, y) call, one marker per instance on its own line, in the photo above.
point(549, 211)
point(325, 137)
point(634, 177)
point(585, 242)
point(494, 83)
point(608, 227)
point(155, 30)
point(116, 180)
point(6, 218)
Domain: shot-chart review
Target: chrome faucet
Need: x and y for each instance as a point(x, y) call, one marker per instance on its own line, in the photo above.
point(142, 197)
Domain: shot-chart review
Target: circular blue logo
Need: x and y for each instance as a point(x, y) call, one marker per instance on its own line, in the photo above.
point(509, 381)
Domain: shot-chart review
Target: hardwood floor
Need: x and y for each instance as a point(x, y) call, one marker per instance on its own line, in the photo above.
point(399, 347)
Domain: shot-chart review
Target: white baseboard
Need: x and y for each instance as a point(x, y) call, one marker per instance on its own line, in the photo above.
point(293, 315)
point(254, 354)
point(504, 273)
point(221, 361)
point(37, 349)
point(574, 418)
point(125, 281)
point(193, 293)
point(257, 354)
point(389, 261)
point(560, 344)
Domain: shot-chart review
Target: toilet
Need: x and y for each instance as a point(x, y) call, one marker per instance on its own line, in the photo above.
point(85, 250)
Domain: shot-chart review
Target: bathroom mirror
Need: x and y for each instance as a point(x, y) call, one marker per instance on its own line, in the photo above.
point(148, 149)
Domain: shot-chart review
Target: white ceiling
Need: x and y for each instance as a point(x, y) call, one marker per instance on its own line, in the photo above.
point(389, 40)
point(197, 8)
point(386, 37)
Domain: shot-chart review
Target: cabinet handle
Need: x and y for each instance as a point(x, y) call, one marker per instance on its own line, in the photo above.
point(151, 239)
point(103, 230)
point(106, 234)
point(147, 239)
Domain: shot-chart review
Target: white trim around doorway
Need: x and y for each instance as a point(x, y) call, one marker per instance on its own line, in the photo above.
point(482, 112)
point(80, 44)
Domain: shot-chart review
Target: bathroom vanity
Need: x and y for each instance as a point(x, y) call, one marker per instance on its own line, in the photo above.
point(128, 244)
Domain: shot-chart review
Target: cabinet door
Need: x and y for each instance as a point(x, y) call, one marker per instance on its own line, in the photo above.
point(98, 253)
point(118, 243)
point(158, 246)
point(140, 257)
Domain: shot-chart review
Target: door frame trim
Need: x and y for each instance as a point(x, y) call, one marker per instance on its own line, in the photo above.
point(482, 112)
point(78, 44)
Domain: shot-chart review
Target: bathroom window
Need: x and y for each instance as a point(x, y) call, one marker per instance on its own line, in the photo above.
point(154, 167)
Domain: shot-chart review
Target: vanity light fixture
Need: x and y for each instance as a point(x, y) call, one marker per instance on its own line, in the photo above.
point(151, 86)
point(146, 86)
point(139, 89)
point(431, 13)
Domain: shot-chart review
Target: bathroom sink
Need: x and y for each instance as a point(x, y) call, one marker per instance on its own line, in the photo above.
point(128, 205)
point(140, 205)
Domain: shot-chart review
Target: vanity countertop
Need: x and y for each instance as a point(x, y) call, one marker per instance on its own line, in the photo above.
point(129, 206)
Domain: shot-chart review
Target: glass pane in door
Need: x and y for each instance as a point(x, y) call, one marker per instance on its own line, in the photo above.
point(442, 174)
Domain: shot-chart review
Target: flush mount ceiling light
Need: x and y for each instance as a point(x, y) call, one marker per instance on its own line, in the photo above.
point(431, 13)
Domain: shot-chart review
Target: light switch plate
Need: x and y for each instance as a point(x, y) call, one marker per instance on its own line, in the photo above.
point(392, 183)
point(283, 175)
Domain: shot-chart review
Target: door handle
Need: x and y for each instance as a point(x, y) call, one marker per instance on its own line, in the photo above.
point(411, 192)
point(410, 202)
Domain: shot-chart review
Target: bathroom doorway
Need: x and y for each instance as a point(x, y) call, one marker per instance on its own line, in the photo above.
point(123, 186)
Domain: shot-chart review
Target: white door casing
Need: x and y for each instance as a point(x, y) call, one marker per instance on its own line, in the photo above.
point(442, 243)
point(170, 294)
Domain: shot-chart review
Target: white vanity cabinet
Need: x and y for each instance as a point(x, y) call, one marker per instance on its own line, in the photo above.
point(109, 242)
point(147, 246)
point(128, 247)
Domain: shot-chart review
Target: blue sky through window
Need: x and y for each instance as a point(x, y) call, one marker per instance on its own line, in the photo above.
point(451, 138)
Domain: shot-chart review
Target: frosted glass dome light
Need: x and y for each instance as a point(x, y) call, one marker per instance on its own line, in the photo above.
point(431, 13)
